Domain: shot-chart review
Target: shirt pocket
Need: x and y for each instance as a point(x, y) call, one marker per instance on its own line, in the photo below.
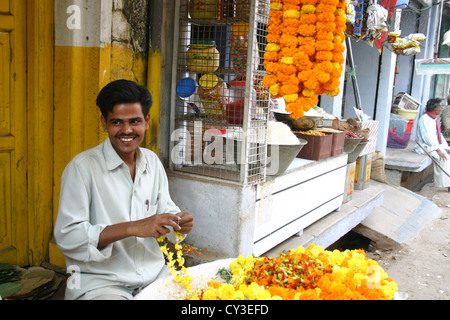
point(150, 210)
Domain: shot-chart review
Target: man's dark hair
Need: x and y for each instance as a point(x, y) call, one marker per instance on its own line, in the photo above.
point(433, 104)
point(123, 91)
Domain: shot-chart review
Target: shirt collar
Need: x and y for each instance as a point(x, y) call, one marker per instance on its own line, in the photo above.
point(113, 160)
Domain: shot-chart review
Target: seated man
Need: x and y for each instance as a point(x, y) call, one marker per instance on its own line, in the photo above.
point(115, 203)
point(430, 137)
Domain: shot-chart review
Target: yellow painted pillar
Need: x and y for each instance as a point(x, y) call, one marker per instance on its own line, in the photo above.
point(81, 68)
point(154, 86)
point(39, 127)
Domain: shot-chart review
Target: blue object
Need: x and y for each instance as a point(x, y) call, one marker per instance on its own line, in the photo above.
point(186, 87)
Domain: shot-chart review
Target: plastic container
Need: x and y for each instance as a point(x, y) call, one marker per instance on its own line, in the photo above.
point(239, 46)
point(213, 92)
point(235, 107)
point(203, 9)
point(317, 148)
point(187, 91)
point(203, 56)
point(399, 132)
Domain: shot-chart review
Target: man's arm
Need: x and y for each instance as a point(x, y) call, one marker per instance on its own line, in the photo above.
point(154, 226)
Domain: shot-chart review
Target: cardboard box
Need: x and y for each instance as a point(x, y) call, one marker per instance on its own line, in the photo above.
point(362, 171)
point(349, 182)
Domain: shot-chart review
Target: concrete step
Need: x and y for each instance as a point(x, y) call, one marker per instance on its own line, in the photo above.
point(399, 219)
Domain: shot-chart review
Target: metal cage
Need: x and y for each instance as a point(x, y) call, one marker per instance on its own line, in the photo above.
point(220, 108)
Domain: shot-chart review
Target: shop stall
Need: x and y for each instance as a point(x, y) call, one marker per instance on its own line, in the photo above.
point(251, 174)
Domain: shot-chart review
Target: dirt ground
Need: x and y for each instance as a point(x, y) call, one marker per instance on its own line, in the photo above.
point(422, 268)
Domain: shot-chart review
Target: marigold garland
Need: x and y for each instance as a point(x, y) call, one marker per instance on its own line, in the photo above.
point(305, 40)
point(299, 274)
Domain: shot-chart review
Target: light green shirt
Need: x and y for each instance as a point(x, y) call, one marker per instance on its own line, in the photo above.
point(96, 191)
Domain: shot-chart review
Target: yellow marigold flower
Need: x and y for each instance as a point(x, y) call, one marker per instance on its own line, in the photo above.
point(272, 47)
point(307, 92)
point(293, 14)
point(226, 292)
point(290, 97)
point(308, 8)
point(209, 294)
point(276, 6)
point(273, 89)
point(287, 60)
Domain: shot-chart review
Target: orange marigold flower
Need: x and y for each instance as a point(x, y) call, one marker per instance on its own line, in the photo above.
point(338, 47)
point(326, 17)
point(338, 57)
point(301, 61)
point(288, 40)
point(288, 69)
point(326, 27)
point(311, 2)
point(295, 110)
point(321, 7)
point(293, 2)
point(273, 38)
point(323, 77)
point(308, 18)
point(330, 2)
point(324, 45)
point(274, 29)
point(269, 80)
point(311, 83)
point(287, 7)
point(339, 20)
point(270, 56)
point(324, 55)
point(288, 89)
point(307, 30)
point(324, 66)
point(304, 75)
point(308, 49)
point(306, 40)
point(271, 67)
point(276, 14)
point(321, 35)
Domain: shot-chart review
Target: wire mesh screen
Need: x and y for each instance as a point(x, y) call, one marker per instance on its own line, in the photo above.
point(221, 107)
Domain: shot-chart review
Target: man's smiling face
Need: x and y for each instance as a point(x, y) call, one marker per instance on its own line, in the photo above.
point(126, 126)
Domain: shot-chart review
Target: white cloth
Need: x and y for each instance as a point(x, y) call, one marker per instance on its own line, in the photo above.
point(96, 191)
point(428, 138)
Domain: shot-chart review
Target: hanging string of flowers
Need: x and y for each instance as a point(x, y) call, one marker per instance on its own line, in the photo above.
point(304, 52)
point(182, 275)
point(299, 274)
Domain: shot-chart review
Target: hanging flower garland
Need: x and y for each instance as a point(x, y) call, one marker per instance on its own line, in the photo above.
point(304, 54)
point(182, 275)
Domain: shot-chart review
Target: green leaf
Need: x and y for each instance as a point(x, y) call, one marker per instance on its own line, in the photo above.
point(9, 288)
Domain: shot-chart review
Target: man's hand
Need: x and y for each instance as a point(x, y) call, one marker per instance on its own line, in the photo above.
point(154, 226)
point(442, 156)
point(186, 222)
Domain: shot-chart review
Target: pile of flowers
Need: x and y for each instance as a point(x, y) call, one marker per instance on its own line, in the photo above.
point(299, 274)
point(304, 52)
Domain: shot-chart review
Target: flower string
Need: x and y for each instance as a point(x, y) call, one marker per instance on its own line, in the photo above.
point(299, 274)
point(182, 276)
point(304, 53)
